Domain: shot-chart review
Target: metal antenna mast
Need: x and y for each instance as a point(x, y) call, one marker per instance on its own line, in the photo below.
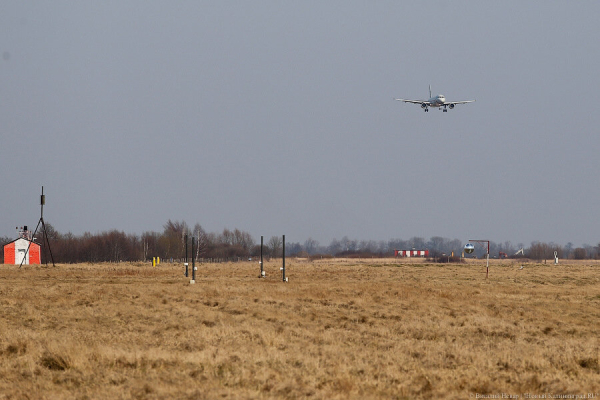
point(41, 221)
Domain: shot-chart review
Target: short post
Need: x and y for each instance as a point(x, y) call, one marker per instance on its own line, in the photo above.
point(193, 262)
point(186, 255)
point(262, 269)
point(283, 259)
point(556, 258)
point(487, 264)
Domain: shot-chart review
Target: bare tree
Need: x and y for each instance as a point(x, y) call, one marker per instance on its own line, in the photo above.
point(568, 249)
point(348, 245)
point(226, 237)
point(417, 243)
point(397, 244)
point(175, 228)
point(311, 246)
point(436, 246)
point(579, 253)
point(275, 245)
point(203, 240)
point(334, 247)
point(172, 238)
point(544, 251)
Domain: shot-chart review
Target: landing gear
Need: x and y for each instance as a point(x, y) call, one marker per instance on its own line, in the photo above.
point(426, 109)
point(445, 109)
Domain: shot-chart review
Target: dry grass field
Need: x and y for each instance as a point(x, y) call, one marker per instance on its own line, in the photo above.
point(336, 330)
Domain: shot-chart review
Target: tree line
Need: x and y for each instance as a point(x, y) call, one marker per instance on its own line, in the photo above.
point(117, 246)
point(439, 246)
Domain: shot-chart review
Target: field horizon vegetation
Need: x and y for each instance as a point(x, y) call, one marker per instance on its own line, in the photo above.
point(340, 328)
point(230, 245)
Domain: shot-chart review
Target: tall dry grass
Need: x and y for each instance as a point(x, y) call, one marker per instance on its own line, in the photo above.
point(349, 329)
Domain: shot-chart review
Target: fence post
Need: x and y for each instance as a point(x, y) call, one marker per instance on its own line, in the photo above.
point(283, 259)
point(193, 262)
point(186, 256)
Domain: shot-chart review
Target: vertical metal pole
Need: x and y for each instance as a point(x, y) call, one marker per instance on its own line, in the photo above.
point(487, 256)
point(42, 202)
point(29, 245)
point(47, 241)
point(193, 261)
point(283, 258)
point(186, 256)
point(262, 270)
point(487, 268)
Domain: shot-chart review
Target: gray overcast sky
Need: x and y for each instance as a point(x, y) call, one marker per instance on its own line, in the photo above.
point(277, 118)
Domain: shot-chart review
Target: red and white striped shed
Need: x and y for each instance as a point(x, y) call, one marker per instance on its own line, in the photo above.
point(16, 252)
point(411, 253)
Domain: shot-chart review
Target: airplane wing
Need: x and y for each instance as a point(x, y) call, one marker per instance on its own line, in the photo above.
point(459, 102)
point(414, 101)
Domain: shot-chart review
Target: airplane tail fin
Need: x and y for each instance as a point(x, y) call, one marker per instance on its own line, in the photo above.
point(429, 91)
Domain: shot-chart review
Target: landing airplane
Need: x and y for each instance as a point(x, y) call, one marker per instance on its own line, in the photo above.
point(437, 101)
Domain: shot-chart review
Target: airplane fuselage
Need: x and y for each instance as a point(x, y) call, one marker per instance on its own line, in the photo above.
point(438, 101)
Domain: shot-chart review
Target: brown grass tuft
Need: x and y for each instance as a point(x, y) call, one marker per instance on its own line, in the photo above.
point(54, 362)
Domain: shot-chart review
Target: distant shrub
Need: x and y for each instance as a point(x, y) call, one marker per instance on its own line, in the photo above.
point(579, 254)
point(359, 254)
point(320, 257)
point(448, 259)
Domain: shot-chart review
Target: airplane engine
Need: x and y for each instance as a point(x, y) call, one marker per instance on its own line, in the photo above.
point(451, 106)
point(423, 105)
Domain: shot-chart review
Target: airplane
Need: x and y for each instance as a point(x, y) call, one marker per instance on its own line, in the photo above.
point(437, 101)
